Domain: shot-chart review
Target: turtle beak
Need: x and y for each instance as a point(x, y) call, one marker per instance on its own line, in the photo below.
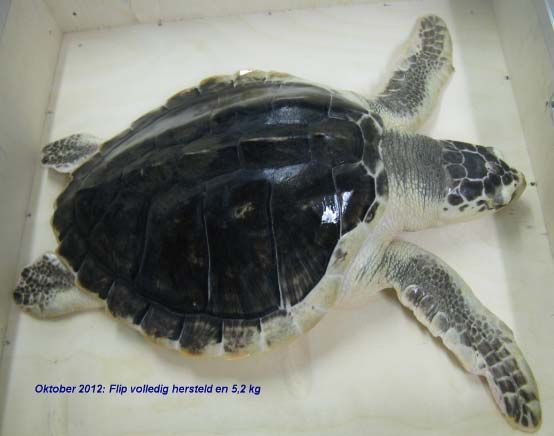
point(503, 197)
point(520, 188)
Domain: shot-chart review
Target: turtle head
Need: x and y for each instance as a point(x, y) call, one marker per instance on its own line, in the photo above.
point(478, 181)
point(442, 182)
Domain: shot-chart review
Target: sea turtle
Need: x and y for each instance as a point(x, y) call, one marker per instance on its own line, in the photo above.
point(235, 216)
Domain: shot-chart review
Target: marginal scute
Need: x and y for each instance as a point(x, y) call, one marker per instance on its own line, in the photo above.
point(200, 331)
point(106, 146)
point(124, 303)
point(160, 322)
point(216, 83)
point(148, 118)
point(345, 109)
point(182, 97)
point(241, 336)
point(371, 132)
point(278, 327)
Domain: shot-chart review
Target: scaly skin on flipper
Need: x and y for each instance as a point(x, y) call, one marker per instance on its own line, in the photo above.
point(67, 154)
point(416, 83)
point(47, 289)
point(483, 344)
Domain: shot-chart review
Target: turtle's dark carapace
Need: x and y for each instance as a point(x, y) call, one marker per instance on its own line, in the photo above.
point(228, 205)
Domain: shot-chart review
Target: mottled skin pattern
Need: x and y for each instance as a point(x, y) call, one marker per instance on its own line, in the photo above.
point(439, 299)
point(67, 153)
point(44, 274)
point(216, 163)
point(426, 64)
point(48, 287)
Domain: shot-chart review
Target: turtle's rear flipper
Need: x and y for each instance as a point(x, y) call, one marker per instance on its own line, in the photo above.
point(67, 154)
point(410, 94)
point(47, 289)
point(483, 344)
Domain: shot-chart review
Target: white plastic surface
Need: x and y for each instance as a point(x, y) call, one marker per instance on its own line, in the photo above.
point(369, 370)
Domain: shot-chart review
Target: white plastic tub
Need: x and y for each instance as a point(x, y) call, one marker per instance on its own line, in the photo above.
point(363, 370)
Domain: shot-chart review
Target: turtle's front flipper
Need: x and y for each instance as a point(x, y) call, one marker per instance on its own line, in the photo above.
point(47, 289)
point(410, 95)
point(67, 154)
point(483, 344)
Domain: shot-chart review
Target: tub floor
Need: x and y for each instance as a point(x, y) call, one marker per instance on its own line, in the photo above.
point(370, 367)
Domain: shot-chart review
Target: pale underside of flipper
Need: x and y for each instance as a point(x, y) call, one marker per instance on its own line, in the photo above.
point(46, 289)
point(67, 154)
point(411, 93)
point(483, 344)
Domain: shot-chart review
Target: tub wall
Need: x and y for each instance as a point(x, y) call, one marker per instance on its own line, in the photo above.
point(526, 35)
point(78, 15)
point(29, 46)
